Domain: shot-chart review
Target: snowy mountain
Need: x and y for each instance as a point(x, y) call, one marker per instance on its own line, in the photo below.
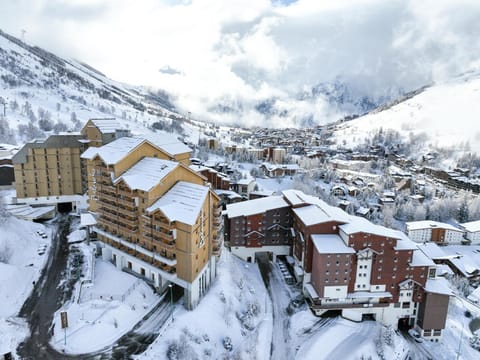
point(319, 104)
point(446, 113)
point(41, 92)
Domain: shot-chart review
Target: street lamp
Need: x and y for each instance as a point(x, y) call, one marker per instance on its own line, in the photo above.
point(171, 300)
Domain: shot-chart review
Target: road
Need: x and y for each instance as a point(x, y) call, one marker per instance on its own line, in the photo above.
point(51, 291)
point(47, 296)
point(280, 297)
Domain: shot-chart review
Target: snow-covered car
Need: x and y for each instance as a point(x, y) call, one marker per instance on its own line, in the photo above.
point(415, 335)
point(41, 249)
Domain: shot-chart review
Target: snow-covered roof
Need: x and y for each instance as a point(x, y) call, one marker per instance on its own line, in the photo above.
point(106, 125)
point(312, 214)
point(168, 142)
point(182, 202)
point(295, 197)
point(262, 192)
point(433, 251)
point(428, 224)
point(87, 219)
point(472, 226)
point(245, 181)
point(146, 173)
point(438, 286)
point(420, 259)
point(359, 224)
point(229, 193)
point(404, 243)
point(114, 151)
point(255, 206)
point(331, 244)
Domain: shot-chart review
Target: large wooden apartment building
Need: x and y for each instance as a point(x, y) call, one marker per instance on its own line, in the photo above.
point(156, 216)
point(344, 263)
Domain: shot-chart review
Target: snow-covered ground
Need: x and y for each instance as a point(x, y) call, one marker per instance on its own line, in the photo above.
point(104, 311)
point(236, 306)
point(20, 266)
point(445, 112)
point(344, 339)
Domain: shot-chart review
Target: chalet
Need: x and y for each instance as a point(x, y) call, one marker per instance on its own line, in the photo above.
point(272, 170)
point(243, 186)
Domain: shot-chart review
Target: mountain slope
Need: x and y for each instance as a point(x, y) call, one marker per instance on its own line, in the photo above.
point(447, 113)
point(44, 92)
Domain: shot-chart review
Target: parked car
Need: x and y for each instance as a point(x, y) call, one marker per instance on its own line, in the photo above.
point(415, 335)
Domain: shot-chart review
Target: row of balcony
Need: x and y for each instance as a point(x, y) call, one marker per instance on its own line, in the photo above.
point(155, 259)
point(114, 221)
point(165, 242)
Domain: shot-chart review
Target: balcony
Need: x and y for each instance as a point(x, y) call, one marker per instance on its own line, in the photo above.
point(125, 192)
point(163, 236)
point(103, 178)
point(107, 205)
point(106, 223)
point(106, 189)
point(130, 203)
point(122, 221)
point(167, 245)
point(165, 263)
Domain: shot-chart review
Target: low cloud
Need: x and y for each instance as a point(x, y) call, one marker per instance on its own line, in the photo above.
point(235, 55)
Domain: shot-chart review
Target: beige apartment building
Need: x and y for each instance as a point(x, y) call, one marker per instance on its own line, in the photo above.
point(156, 217)
point(49, 171)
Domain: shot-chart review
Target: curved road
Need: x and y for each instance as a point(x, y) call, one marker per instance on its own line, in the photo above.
point(50, 293)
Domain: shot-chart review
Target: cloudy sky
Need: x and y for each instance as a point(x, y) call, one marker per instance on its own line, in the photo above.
point(237, 53)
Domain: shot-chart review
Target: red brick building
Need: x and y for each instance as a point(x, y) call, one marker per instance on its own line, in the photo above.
point(344, 262)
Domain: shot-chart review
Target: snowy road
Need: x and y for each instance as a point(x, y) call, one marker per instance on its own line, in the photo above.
point(280, 297)
point(46, 298)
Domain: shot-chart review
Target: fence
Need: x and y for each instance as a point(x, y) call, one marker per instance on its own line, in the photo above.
point(97, 295)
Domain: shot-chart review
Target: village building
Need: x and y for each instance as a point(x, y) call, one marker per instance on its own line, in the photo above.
point(155, 216)
point(472, 231)
point(99, 132)
point(279, 170)
point(217, 179)
point(243, 186)
point(440, 233)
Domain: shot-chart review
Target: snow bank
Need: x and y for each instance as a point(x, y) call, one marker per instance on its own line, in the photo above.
point(234, 307)
point(106, 311)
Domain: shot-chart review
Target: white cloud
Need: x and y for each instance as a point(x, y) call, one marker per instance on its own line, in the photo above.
point(240, 52)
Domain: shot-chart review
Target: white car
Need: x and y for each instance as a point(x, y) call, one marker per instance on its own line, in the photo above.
point(415, 335)
point(41, 249)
